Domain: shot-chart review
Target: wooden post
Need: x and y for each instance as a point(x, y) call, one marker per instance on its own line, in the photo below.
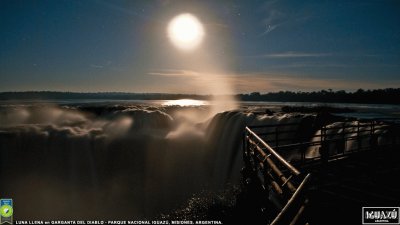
point(324, 149)
point(247, 167)
point(373, 137)
point(359, 143)
point(343, 142)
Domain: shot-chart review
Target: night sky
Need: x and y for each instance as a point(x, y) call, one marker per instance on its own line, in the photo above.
point(99, 45)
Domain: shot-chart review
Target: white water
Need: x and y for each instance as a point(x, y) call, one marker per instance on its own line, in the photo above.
point(137, 159)
point(336, 131)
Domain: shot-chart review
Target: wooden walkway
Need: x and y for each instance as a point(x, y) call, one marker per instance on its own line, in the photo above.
point(330, 188)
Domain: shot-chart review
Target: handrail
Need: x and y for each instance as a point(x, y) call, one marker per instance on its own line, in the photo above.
point(292, 169)
point(347, 124)
point(383, 127)
point(266, 167)
point(269, 169)
point(278, 219)
point(274, 168)
point(346, 131)
point(272, 125)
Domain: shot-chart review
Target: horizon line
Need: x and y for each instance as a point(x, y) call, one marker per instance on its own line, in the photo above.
point(166, 93)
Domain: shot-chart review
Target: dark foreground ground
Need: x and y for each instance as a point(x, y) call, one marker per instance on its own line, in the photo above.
point(343, 187)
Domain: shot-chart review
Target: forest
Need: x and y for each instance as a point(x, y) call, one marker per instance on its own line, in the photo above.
point(377, 96)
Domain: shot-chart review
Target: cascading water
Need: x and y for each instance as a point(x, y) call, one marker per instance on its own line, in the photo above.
point(124, 161)
point(138, 160)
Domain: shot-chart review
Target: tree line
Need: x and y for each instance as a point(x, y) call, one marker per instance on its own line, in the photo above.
point(378, 96)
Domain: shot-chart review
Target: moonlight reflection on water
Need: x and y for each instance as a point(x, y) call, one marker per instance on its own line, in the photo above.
point(185, 102)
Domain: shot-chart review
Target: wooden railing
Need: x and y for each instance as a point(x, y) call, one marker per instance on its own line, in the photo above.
point(277, 177)
point(281, 182)
point(332, 141)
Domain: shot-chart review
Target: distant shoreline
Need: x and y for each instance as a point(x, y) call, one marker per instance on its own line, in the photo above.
point(379, 96)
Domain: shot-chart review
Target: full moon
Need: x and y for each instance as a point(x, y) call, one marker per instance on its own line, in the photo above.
point(185, 31)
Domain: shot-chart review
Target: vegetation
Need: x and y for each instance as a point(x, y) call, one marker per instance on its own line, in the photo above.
point(315, 109)
point(379, 96)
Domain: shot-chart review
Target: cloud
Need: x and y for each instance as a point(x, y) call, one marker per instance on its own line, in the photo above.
point(273, 20)
point(269, 28)
point(174, 73)
point(275, 16)
point(189, 73)
point(291, 55)
point(268, 82)
point(265, 82)
point(194, 82)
